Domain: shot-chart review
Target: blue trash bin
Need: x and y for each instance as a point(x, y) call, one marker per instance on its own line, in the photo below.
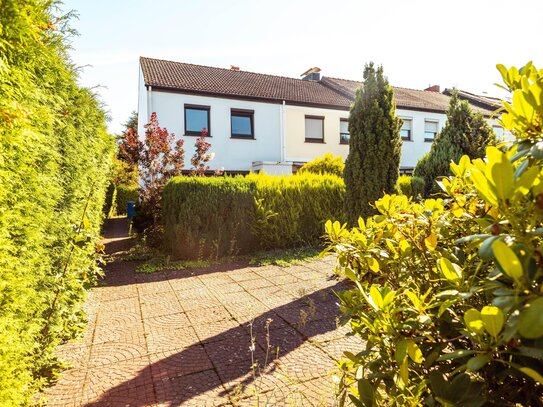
point(130, 209)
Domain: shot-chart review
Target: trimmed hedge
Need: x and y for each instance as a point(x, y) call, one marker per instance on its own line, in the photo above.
point(124, 194)
point(291, 211)
point(207, 217)
point(213, 217)
point(55, 160)
point(111, 198)
point(410, 186)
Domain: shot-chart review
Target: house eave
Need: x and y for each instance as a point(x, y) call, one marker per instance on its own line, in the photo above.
point(157, 88)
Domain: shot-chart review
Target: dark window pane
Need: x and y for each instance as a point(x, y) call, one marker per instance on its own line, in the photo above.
point(196, 120)
point(406, 134)
point(429, 136)
point(344, 138)
point(241, 125)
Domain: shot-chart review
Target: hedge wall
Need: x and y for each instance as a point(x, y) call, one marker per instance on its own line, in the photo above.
point(55, 157)
point(125, 193)
point(213, 217)
point(208, 217)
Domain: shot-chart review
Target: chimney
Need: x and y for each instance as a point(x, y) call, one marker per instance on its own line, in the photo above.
point(312, 74)
point(433, 88)
point(234, 68)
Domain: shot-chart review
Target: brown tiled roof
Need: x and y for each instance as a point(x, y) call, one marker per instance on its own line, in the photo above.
point(218, 81)
point(485, 102)
point(328, 92)
point(406, 98)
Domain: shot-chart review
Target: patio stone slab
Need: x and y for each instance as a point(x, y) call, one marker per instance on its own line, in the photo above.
point(184, 337)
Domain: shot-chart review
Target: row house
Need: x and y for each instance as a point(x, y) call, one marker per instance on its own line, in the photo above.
point(258, 122)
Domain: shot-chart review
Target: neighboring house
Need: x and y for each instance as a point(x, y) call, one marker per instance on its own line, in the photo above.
point(272, 123)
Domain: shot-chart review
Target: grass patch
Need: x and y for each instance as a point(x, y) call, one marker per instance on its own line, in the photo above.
point(155, 261)
point(138, 252)
point(285, 257)
point(161, 263)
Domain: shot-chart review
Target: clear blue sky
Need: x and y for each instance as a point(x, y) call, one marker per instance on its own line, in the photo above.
point(419, 42)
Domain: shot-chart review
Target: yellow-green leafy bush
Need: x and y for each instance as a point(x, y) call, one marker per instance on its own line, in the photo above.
point(410, 186)
point(327, 164)
point(55, 156)
point(213, 217)
point(449, 293)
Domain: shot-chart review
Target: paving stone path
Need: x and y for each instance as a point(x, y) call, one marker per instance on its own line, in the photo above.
point(184, 337)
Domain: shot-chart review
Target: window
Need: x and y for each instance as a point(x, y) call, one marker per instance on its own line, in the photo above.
point(314, 129)
point(405, 132)
point(242, 123)
point(196, 119)
point(344, 135)
point(430, 130)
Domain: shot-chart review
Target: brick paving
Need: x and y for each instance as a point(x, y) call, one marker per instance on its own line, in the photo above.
point(183, 337)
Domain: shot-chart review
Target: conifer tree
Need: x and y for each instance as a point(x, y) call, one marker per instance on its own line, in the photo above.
point(372, 166)
point(465, 133)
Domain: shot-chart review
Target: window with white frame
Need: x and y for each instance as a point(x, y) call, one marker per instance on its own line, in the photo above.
point(430, 129)
point(314, 129)
point(344, 134)
point(407, 127)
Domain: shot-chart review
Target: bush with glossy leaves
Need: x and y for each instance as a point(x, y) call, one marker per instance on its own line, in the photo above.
point(449, 292)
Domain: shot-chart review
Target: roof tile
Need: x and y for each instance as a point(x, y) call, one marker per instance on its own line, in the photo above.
point(329, 92)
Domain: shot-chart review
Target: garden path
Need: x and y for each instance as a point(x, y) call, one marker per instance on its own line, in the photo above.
point(184, 337)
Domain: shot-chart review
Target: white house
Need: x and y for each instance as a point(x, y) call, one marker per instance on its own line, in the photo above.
point(273, 123)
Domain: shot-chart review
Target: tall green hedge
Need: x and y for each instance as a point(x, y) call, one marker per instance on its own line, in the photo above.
point(124, 194)
point(55, 157)
point(291, 210)
point(212, 217)
point(207, 217)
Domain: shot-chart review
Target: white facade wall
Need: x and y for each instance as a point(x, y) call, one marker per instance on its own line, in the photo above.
point(414, 150)
point(231, 154)
point(298, 150)
point(143, 114)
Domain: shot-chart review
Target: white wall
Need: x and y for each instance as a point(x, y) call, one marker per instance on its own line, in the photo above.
point(143, 114)
point(230, 154)
point(297, 149)
point(414, 150)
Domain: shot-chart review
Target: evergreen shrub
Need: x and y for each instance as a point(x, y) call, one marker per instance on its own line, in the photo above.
point(110, 201)
point(124, 194)
point(410, 186)
point(465, 133)
point(290, 211)
point(373, 164)
point(55, 161)
point(214, 217)
point(207, 217)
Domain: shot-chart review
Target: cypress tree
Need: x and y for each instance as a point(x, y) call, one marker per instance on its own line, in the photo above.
point(373, 163)
point(465, 133)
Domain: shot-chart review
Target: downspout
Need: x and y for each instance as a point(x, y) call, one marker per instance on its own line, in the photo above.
point(283, 131)
point(149, 102)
